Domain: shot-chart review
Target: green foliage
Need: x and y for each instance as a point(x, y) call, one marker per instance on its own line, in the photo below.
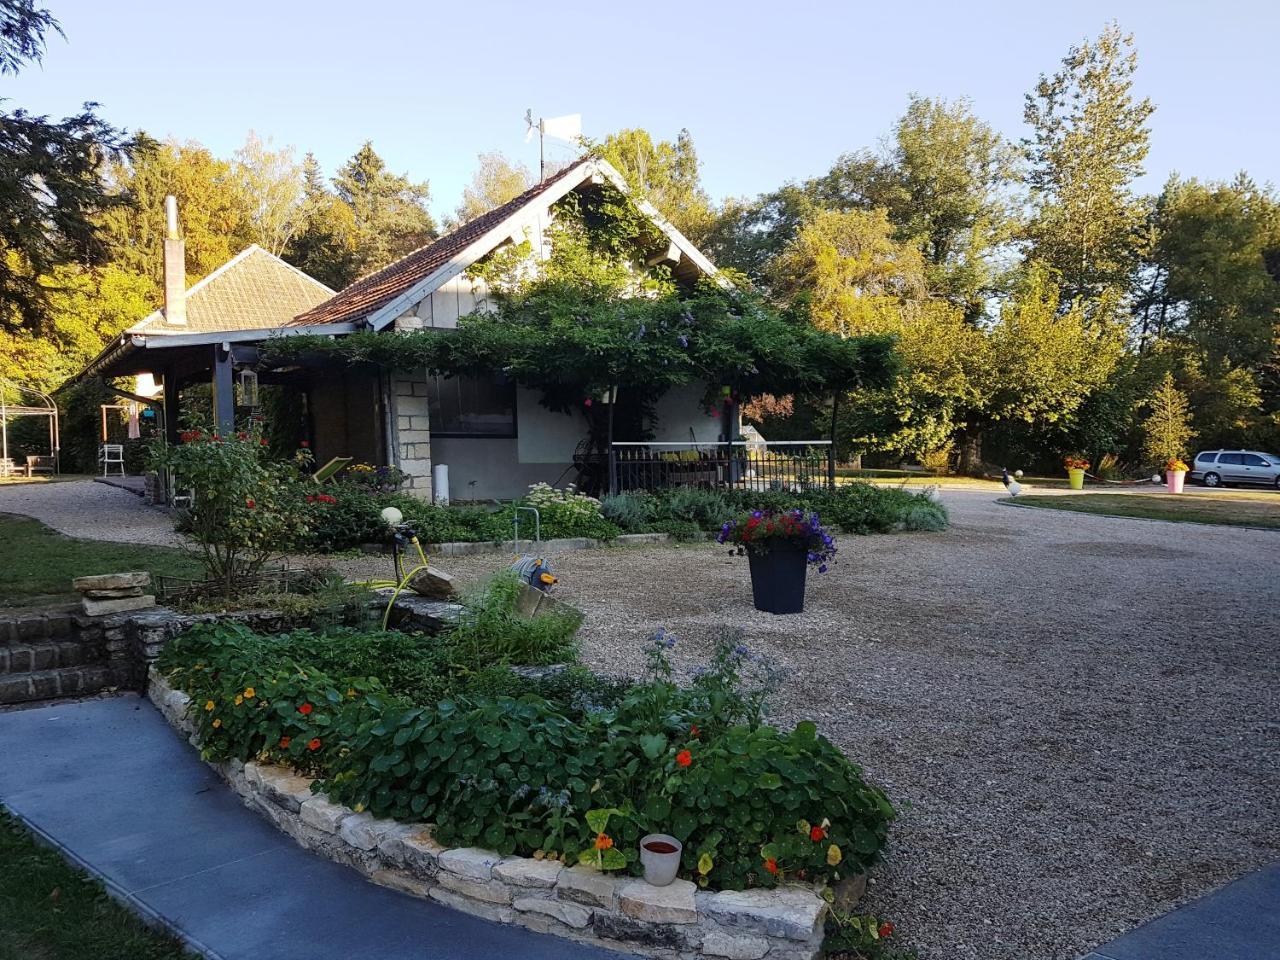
point(853, 936)
point(245, 509)
point(1167, 428)
point(664, 173)
point(540, 776)
point(490, 631)
point(493, 184)
point(51, 195)
point(1089, 140)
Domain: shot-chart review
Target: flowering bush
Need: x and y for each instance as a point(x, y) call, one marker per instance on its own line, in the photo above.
point(1075, 463)
point(762, 530)
point(245, 508)
point(567, 513)
point(1176, 464)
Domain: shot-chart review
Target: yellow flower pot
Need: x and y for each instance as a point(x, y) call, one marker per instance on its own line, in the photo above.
point(1076, 478)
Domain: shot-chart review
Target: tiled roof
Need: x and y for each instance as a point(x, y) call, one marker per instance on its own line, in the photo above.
point(254, 290)
point(374, 290)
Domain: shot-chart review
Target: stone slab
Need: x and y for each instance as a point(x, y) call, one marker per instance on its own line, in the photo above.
point(320, 813)
point(586, 886)
point(486, 891)
point(570, 914)
point(673, 903)
point(113, 594)
point(111, 581)
point(104, 608)
point(790, 912)
point(528, 872)
point(280, 786)
point(471, 863)
point(743, 946)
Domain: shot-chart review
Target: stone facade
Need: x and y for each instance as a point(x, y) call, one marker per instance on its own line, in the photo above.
point(678, 922)
point(412, 423)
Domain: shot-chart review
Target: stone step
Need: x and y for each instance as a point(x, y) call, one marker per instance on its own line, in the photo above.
point(48, 655)
point(29, 627)
point(63, 682)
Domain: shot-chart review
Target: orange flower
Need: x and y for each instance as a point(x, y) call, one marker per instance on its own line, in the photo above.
point(313, 743)
point(216, 723)
point(305, 709)
point(603, 841)
point(771, 865)
point(684, 758)
point(284, 742)
point(250, 693)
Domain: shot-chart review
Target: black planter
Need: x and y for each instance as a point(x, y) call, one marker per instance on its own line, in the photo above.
point(777, 578)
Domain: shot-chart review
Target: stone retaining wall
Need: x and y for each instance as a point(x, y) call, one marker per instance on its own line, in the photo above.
point(677, 922)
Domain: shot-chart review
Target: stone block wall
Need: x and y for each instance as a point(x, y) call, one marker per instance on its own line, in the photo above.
point(412, 423)
point(676, 922)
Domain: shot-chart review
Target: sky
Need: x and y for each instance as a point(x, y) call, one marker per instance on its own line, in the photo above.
point(771, 92)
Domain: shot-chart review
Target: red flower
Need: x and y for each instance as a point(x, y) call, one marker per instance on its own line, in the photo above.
point(817, 834)
point(284, 742)
point(313, 743)
point(886, 929)
point(250, 502)
point(684, 758)
point(305, 444)
point(216, 438)
point(771, 865)
point(305, 709)
point(693, 731)
point(262, 442)
point(242, 435)
point(311, 498)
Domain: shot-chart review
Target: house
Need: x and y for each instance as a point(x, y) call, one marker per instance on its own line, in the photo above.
point(495, 437)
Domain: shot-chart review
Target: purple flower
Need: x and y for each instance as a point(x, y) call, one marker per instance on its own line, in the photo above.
point(684, 341)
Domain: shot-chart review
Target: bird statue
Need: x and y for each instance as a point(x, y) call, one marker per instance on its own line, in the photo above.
point(1010, 484)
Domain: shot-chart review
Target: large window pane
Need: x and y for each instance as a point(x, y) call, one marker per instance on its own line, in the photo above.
point(472, 407)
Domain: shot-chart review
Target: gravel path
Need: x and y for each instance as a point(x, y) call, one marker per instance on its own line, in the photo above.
point(96, 511)
point(1077, 715)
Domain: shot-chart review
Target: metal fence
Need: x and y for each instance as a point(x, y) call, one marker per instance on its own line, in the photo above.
point(793, 465)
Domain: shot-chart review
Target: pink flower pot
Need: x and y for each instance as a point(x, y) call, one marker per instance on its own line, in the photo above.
point(1174, 479)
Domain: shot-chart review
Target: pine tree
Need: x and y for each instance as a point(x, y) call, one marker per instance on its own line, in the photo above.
point(1089, 140)
point(1167, 430)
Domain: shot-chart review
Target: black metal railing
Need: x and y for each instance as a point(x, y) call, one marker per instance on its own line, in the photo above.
point(794, 465)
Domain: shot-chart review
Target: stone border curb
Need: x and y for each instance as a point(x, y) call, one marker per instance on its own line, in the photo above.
point(677, 922)
point(466, 549)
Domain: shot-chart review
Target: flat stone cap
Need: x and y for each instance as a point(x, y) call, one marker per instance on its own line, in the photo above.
point(111, 581)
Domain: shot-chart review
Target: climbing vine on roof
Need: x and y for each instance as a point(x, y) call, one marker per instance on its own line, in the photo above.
point(597, 314)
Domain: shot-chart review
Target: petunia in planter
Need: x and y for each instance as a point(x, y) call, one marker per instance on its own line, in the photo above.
point(1175, 474)
point(779, 546)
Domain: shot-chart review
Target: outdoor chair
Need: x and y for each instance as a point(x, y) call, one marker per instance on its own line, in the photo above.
point(330, 469)
point(111, 455)
point(7, 468)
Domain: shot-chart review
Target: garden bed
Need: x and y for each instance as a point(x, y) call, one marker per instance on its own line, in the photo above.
point(576, 902)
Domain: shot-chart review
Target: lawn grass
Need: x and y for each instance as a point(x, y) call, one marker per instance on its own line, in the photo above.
point(37, 564)
point(1227, 509)
point(51, 911)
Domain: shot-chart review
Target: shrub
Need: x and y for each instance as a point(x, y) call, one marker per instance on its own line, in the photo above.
point(633, 512)
point(246, 508)
point(567, 513)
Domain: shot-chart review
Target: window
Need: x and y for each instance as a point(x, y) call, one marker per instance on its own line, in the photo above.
point(1206, 457)
point(472, 406)
point(1231, 459)
point(1250, 460)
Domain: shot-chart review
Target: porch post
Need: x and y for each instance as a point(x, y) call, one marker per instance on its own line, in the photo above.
point(170, 405)
point(831, 448)
point(224, 401)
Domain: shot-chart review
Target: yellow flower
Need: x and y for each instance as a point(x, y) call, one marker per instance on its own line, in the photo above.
point(216, 723)
point(351, 692)
point(834, 856)
point(208, 705)
point(239, 700)
point(250, 693)
point(358, 808)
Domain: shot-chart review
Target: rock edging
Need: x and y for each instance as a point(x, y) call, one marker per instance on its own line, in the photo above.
point(678, 922)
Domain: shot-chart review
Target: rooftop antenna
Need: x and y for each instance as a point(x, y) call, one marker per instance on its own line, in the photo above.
point(567, 128)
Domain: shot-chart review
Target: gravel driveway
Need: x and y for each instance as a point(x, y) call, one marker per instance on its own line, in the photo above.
point(1078, 715)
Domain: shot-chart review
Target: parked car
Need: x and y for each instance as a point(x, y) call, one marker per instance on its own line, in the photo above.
point(1215, 468)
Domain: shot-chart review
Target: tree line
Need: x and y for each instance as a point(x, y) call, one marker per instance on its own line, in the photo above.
point(1041, 303)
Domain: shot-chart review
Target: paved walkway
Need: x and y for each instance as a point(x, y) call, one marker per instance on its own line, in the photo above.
point(118, 792)
point(1239, 922)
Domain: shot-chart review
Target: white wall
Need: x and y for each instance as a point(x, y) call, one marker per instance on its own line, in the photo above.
point(680, 409)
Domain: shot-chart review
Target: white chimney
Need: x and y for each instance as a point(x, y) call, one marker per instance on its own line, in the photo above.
point(175, 267)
